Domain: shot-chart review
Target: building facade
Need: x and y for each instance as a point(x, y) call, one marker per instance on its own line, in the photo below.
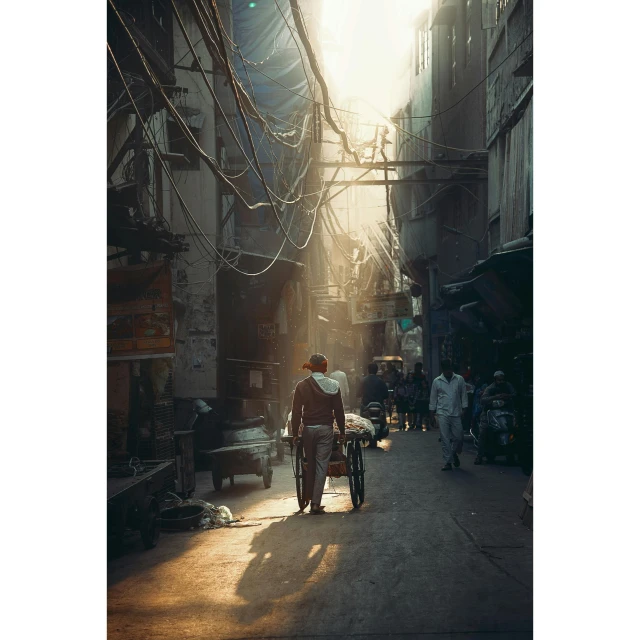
point(443, 220)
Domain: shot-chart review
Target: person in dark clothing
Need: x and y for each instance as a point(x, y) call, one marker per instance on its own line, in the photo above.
point(420, 413)
point(499, 390)
point(373, 389)
point(418, 373)
point(317, 401)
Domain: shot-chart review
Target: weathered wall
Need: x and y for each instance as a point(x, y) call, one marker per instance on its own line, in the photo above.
point(504, 90)
point(460, 123)
point(195, 286)
point(510, 126)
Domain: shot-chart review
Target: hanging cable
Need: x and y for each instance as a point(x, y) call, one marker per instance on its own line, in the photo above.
point(296, 13)
point(183, 204)
point(239, 104)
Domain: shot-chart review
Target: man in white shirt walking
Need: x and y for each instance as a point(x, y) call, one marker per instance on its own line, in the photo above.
point(449, 402)
point(341, 378)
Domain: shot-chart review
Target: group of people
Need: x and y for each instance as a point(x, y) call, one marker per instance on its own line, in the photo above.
point(318, 401)
point(410, 395)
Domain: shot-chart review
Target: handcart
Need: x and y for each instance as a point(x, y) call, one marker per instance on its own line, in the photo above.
point(353, 467)
point(132, 490)
point(241, 459)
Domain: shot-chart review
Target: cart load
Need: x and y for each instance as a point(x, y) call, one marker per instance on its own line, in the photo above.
point(354, 425)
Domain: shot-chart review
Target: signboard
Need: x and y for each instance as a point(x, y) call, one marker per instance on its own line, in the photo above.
point(391, 306)
point(140, 312)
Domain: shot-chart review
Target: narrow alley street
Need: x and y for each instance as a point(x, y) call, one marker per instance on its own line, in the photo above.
point(429, 554)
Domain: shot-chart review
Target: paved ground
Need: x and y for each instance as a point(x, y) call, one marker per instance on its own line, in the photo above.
point(430, 554)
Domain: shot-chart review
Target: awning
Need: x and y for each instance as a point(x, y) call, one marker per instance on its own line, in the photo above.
point(503, 284)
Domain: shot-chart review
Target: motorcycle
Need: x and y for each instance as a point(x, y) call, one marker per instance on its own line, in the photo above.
point(375, 412)
point(501, 433)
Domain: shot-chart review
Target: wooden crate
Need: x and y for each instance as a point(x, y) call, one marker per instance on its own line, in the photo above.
point(526, 514)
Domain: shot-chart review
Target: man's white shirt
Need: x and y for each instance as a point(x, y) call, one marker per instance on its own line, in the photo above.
point(448, 397)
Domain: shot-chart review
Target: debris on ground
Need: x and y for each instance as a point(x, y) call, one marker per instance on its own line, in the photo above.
point(212, 518)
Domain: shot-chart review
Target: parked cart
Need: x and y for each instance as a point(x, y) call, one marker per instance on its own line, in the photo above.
point(353, 466)
point(241, 459)
point(132, 498)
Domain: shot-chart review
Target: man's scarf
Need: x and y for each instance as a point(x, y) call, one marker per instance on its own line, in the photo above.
point(317, 368)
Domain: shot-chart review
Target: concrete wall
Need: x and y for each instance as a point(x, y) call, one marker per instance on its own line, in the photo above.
point(195, 286)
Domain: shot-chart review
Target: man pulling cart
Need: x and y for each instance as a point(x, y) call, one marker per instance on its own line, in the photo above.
point(317, 401)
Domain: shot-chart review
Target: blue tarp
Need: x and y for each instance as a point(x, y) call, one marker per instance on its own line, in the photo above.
point(265, 40)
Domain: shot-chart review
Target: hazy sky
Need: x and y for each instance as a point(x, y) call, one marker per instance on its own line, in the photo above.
point(364, 43)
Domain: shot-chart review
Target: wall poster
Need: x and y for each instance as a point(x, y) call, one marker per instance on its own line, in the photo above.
point(140, 312)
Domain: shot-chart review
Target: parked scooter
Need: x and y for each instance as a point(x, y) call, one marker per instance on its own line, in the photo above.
point(501, 434)
point(375, 412)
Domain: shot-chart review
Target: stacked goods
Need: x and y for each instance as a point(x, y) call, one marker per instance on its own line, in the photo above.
point(354, 425)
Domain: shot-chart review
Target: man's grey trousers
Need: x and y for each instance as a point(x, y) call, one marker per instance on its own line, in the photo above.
point(317, 443)
point(450, 436)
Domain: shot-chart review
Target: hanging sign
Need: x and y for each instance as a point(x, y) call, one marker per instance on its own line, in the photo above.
point(140, 312)
point(390, 306)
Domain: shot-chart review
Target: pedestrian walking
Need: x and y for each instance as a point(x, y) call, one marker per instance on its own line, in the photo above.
point(317, 401)
point(341, 378)
point(422, 404)
point(401, 401)
point(449, 402)
point(411, 389)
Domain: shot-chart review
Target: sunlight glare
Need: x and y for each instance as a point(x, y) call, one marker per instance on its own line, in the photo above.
point(364, 42)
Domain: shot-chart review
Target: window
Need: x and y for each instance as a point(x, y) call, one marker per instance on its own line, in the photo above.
point(453, 56)
point(423, 47)
point(467, 54)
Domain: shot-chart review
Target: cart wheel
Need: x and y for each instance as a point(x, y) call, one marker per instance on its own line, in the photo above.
point(216, 475)
point(150, 522)
point(373, 443)
point(352, 475)
point(267, 472)
point(280, 450)
point(358, 470)
point(300, 480)
point(232, 480)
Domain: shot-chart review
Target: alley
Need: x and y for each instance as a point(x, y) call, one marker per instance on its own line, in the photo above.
point(429, 554)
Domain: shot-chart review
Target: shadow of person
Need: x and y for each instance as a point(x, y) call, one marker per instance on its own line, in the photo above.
point(288, 555)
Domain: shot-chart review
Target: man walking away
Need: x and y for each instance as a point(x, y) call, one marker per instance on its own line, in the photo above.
point(401, 401)
point(316, 402)
point(341, 378)
point(449, 402)
point(373, 389)
point(418, 378)
point(422, 404)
